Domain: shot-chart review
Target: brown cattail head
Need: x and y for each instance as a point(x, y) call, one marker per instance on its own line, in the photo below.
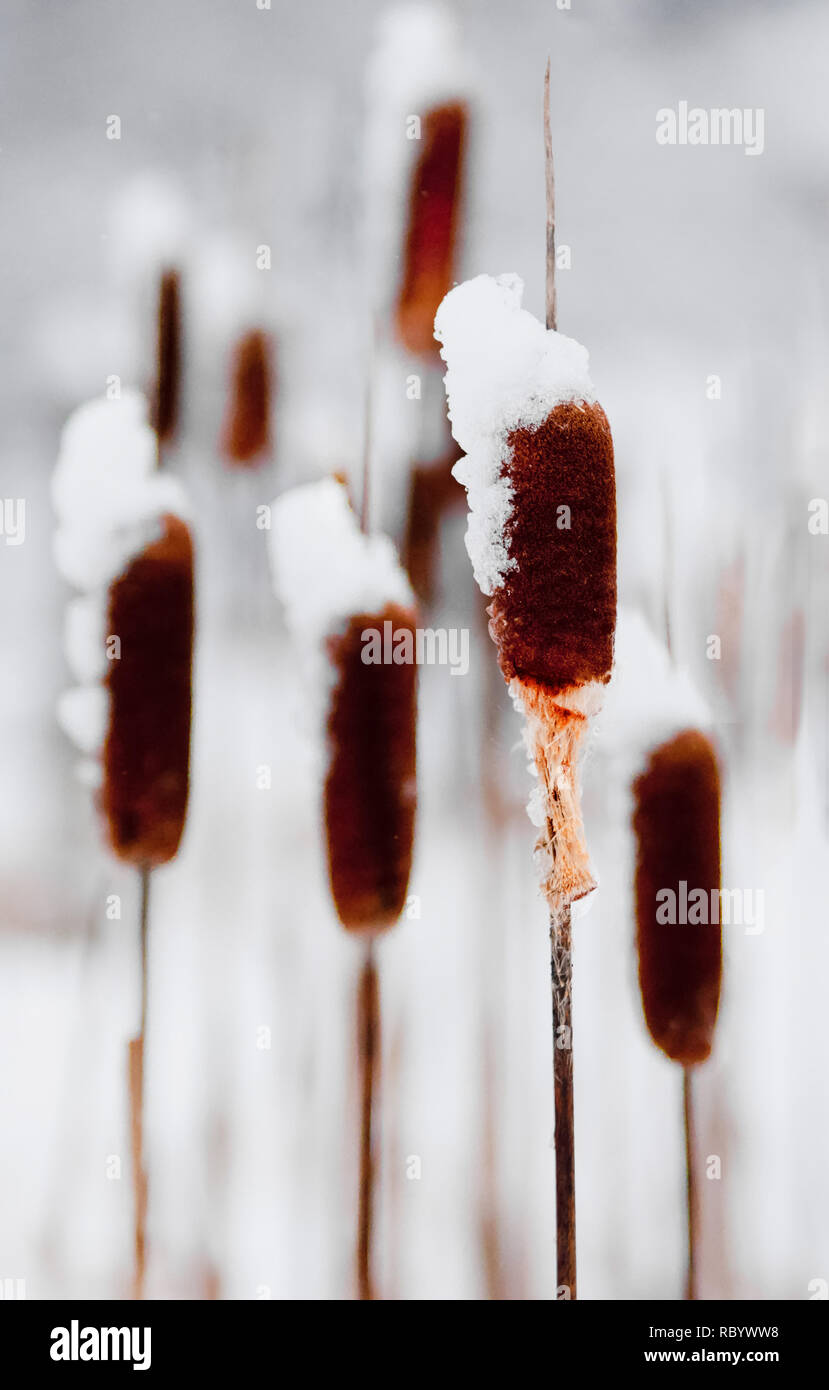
point(370, 793)
point(168, 365)
point(434, 219)
point(554, 615)
point(676, 820)
point(146, 755)
point(247, 430)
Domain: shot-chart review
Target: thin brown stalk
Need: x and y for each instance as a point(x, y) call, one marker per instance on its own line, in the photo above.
point(368, 1053)
point(691, 1291)
point(550, 189)
point(135, 1059)
point(168, 361)
point(562, 974)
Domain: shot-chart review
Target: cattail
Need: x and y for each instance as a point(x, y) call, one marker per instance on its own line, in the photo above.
point(351, 611)
point(667, 759)
point(541, 536)
point(247, 431)
point(146, 756)
point(419, 115)
point(369, 790)
point(542, 539)
point(676, 821)
point(434, 216)
point(123, 541)
point(433, 491)
point(168, 357)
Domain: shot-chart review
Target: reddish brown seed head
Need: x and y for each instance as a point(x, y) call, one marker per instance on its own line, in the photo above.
point(554, 616)
point(168, 364)
point(247, 430)
point(370, 794)
point(677, 825)
point(147, 750)
point(432, 231)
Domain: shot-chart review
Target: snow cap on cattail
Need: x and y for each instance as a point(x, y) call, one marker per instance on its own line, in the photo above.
point(123, 541)
point(337, 584)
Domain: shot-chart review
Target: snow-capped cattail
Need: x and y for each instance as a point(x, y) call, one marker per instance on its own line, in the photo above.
point(123, 541)
point(656, 727)
point(541, 536)
point(351, 611)
point(542, 539)
point(419, 91)
point(246, 437)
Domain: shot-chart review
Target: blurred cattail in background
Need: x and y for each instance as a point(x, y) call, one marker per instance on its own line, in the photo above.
point(123, 541)
point(420, 95)
point(351, 612)
point(246, 436)
point(659, 725)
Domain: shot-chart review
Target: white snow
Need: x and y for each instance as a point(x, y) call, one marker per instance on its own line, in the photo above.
point(324, 568)
point(649, 700)
point(83, 712)
point(109, 498)
point(149, 226)
point(505, 371)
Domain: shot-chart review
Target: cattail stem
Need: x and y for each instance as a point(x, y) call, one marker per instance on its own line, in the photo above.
point(691, 1183)
point(368, 1053)
point(136, 1094)
point(561, 974)
point(550, 191)
point(168, 358)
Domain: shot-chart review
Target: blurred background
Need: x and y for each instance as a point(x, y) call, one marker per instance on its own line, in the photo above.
point(262, 152)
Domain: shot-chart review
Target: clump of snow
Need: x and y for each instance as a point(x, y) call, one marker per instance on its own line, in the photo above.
point(109, 499)
point(107, 491)
point(149, 226)
point(324, 569)
point(649, 700)
point(418, 60)
point(505, 371)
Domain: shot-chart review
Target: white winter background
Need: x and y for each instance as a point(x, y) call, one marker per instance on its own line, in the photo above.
point(687, 262)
